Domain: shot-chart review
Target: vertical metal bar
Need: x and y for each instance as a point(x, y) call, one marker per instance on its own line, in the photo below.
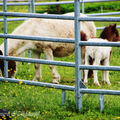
point(5, 39)
point(29, 6)
point(83, 6)
point(101, 100)
point(77, 55)
point(33, 6)
point(63, 97)
point(102, 12)
point(29, 53)
point(29, 10)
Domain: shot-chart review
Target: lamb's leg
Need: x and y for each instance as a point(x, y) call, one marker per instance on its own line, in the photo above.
point(85, 77)
point(97, 61)
point(86, 71)
point(105, 74)
point(49, 56)
point(107, 77)
point(90, 72)
point(38, 74)
point(96, 78)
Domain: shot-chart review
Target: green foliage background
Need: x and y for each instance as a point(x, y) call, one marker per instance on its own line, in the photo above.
point(88, 8)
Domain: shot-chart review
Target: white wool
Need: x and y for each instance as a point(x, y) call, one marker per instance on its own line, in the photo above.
point(98, 53)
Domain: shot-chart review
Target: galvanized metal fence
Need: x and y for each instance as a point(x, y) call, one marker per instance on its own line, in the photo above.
point(79, 88)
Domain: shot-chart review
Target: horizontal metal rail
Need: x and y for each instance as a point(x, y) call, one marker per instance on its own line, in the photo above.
point(33, 15)
point(103, 14)
point(53, 3)
point(40, 61)
point(89, 1)
point(59, 63)
point(70, 2)
point(91, 67)
point(98, 91)
point(14, 19)
point(41, 84)
point(101, 28)
point(16, 4)
point(64, 40)
point(86, 43)
point(49, 39)
point(115, 19)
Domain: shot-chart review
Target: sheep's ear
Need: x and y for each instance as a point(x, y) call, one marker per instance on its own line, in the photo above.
point(1, 52)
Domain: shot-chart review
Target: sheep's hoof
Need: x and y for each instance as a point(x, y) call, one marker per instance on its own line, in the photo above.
point(55, 82)
point(36, 79)
point(97, 84)
point(108, 83)
point(103, 82)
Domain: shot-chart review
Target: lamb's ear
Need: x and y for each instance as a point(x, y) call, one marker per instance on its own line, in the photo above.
point(114, 26)
point(1, 52)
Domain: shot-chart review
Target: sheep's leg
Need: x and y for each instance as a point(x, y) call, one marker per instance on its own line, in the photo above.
point(38, 74)
point(105, 74)
point(49, 56)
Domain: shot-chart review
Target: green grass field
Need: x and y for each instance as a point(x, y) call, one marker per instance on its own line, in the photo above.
point(27, 102)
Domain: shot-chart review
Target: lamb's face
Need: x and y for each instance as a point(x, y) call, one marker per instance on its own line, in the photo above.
point(11, 67)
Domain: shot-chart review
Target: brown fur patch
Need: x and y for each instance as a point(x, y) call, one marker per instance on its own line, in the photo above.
point(23, 42)
point(58, 49)
point(116, 39)
point(90, 72)
point(11, 54)
point(83, 36)
point(110, 55)
point(11, 67)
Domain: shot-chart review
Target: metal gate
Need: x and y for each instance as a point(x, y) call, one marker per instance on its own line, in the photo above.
point(79, 88)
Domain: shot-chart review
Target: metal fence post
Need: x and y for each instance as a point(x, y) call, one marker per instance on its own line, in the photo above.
point(101, 100)
point(29, 10)
point(63, 97)
point(29, 6)
point(33, 6)
point(5, 39)
point(77, 55)
point(83, 6)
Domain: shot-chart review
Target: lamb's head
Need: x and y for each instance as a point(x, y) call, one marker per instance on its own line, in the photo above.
point(11, 67)
point(110, 33)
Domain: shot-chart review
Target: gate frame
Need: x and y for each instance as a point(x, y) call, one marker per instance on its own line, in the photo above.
point(78, 89)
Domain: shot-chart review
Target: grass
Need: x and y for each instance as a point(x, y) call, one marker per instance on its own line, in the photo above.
point(27, 102)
